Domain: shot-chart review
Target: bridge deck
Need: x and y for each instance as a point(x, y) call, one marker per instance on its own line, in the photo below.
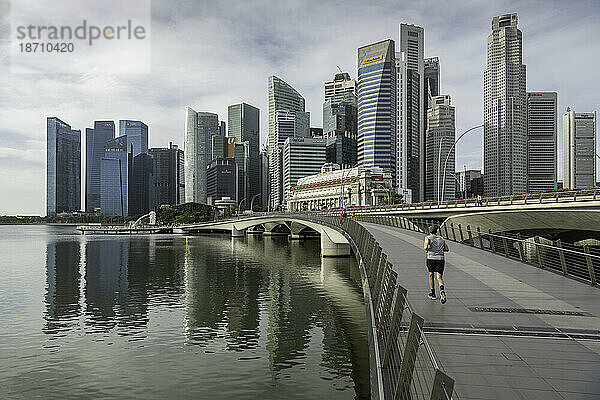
point(496, 354)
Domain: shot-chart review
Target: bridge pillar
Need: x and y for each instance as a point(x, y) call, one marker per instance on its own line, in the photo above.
point(331, 249)
point(236, 232)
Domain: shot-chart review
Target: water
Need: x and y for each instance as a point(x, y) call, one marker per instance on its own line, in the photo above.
point(177, 317)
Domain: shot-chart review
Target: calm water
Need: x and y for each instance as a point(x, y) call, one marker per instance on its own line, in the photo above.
point(177, 317)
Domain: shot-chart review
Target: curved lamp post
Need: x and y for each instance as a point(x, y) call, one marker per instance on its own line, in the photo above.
point(252, 201)
point(448, 156)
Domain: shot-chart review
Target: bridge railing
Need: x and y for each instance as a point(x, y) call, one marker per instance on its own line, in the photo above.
point(407, 367)
point(581, 263)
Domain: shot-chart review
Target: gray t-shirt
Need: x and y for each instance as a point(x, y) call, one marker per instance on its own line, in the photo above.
point(435, 250)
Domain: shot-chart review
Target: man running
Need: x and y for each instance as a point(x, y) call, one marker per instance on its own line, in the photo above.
point(435, 246)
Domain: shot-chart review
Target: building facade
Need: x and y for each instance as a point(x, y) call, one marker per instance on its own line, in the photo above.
point(95, 140)
point(243, 124)
point(221, 181)
point(140, 187)
point(469, 183)
point(301, 157)
point(116, 173)
point(439, 146)
point(410, 68)
point(377, 101)
point(358, 186)
point(168, 178)
point(63, 167)
point(137, 134)
point(341, 150)
point(505, 110)
point(200, 127)
point(579, 150)
point(542, 119)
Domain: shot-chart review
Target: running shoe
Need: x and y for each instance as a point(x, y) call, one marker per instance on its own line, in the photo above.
point(431, 296)
point(443, 297)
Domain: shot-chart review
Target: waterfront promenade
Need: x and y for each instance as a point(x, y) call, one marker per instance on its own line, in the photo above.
point(509, 330)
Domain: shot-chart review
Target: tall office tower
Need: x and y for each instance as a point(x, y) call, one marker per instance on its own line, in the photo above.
point(199, 129)
point(264, 178)
point(241, 156)
point(63, 167)
point(340, 88)
point(377, 98)
point(315, 132)
point(221, 179)
point(301, 157)
point(168, 180)
point(115, 174)
point(95, 140)
point(283, 99)
point(137, 134)
point(140, 187)
point(243, 123)
point(218, 144)
point(410, 64)
point(340, 113)
point(222, 129)
point(341, 150)
point(542, 117)
point(579, 149)
point(505, 110)
point(431, 80)
point(469, 183)
point(439, 147)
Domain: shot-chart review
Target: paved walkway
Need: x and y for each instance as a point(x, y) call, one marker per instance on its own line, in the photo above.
point(496, 354)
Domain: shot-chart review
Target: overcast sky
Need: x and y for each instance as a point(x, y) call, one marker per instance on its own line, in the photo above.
point(208, 55)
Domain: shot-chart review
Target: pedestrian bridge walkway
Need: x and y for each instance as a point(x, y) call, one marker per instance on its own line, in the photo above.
point(509, 330)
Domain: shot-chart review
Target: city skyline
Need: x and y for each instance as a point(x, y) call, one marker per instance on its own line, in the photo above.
point(300, 57)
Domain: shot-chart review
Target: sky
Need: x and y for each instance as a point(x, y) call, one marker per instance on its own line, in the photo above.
point(208, 55)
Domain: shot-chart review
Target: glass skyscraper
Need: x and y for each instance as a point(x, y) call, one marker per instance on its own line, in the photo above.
point(63, 162)
point(95, 140)
point(137, 132)
point(377, 106)
point(115, 174)
point(168, 185)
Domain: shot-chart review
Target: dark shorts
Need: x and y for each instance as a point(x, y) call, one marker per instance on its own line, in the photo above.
point(436, 266)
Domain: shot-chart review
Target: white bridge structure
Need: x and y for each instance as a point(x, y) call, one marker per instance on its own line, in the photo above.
point(333, 242)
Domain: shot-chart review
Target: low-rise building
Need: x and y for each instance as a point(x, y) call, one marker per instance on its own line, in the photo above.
point(358, 186)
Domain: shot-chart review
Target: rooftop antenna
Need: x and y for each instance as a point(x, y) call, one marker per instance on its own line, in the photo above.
point(339, 69)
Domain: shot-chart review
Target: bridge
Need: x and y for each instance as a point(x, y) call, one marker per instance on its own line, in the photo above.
point(511, 328)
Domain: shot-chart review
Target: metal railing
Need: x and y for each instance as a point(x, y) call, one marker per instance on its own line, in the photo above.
point(406, 365)
point(581, 263)
point(529, 198)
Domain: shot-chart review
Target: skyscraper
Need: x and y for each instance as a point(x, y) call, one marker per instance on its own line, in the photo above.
point(505, 110)
point(377, 98)
point(243, 123)
point(115, 175)
point(340, 88)
point(221, 179)
point(95, 140)
point(431, 80)
point(241, 155)
point(340, 113)
point(63, 167)
point(137, 134)
point(301, 157)
point(579, 149)
point(439, 144)
point(140, 187)
point(199, 129)
point(410, 64)
point(287, 118)
point(168, 179)
point(541, 141)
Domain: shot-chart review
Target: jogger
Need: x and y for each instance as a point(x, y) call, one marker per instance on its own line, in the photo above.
point(435, 246)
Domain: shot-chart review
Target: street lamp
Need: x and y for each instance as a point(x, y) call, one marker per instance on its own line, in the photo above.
point(252, 201)
point(448, 156)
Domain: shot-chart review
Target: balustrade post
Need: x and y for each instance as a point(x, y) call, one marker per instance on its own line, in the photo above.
point(408, 358)
point(396, 320)
point(538, 251)
point(462, 239)
point(452, 229)
point(590, 264)
point(471, 241)
point(561, 255)
point(443, 386)
point(492, 245)
point(446, 229)
point(505, 243)
point(520, 248)
point(480, 238)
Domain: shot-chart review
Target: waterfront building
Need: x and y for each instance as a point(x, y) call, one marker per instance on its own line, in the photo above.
point(241, 155)
point(579, 150)
point(95, 140)
point(168, 179)
point(221, 180)
point(115, 174)
point(542, 119)
point(200, 127)
point(439, 146)
point(377, 102)
point(469, 183)
point(332, 188)
point(63, 167)
point(140, 187)
point(243, 124)
point(301, 157)
point(287, 118)
point(264, 179)
point(505, 110)
point(137, 134)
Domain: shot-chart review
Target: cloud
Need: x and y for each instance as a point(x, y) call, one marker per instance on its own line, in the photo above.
point(209, 55)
